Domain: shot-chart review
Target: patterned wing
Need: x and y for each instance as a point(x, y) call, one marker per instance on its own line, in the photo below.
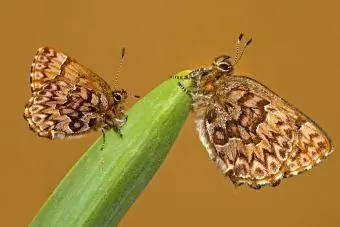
point(49, 64)
point(67, 98)
point(256, 137)
point(60, 109)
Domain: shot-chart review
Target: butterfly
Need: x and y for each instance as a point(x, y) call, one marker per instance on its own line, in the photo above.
point(69, 100)
point(253, 135)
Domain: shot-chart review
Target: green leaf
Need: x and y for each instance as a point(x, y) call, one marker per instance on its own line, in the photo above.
point(103, 184)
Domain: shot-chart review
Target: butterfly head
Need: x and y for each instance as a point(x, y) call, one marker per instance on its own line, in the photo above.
point(223, 64)
point(119, 96)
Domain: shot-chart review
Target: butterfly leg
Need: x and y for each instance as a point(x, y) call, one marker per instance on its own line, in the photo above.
point(119, 133)
point(123, 119)
point(116, 128)
point(181, 77)
point(193, 74)
point(181, 86)
point(104, 140)
point(118, 125)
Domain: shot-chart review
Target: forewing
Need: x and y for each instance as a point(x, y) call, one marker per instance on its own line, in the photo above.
point(256, 137)
point(49, 64)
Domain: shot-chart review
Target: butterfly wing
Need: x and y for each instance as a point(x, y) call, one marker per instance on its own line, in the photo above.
point(254, 136)
point(67, 98)
point(60, 109)
point(49, 64)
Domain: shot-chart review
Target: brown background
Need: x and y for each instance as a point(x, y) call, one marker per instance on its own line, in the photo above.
point(295, 52)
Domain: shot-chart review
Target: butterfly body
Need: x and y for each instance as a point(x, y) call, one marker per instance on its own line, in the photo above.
point(69, 100)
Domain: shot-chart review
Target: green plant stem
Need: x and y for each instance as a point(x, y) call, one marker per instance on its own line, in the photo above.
point(103, 184)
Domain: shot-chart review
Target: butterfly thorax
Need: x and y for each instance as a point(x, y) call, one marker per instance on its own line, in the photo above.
point(208, 83)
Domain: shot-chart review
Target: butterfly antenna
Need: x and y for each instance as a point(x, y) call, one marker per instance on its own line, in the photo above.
point(120, 67)
point(240, 37)
point(239, 52)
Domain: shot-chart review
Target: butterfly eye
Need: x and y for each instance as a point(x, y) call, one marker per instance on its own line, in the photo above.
point(224, 66)
point(117, 97)
point(223, 63)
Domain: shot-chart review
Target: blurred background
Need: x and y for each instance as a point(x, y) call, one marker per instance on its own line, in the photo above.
point(295, 52)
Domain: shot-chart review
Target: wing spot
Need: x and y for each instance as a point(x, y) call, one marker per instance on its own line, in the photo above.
point(220, 136)
point(76, 126)
point(50, 87)
point(211, 115)
point(92, 122)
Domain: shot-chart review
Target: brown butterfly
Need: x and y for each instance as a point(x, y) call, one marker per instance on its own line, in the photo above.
point(70, 100)
point(253, 135)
